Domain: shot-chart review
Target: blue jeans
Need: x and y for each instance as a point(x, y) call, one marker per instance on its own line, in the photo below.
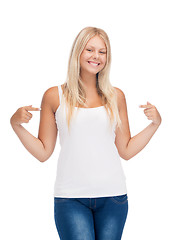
point(101, 218)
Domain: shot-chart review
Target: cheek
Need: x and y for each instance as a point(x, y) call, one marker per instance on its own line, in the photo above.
point(83, 57)
point(81, 60)
point(86, 56)
point(104, 60)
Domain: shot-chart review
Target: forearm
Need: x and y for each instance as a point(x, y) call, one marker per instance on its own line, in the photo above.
point(139, 141)
point(31, 143)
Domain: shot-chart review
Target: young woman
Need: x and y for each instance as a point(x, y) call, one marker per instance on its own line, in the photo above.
point(90, 194)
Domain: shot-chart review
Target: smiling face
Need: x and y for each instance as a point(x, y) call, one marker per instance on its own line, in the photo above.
point(93, 57)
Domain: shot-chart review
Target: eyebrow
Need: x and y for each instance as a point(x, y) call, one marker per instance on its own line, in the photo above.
point(94, 47)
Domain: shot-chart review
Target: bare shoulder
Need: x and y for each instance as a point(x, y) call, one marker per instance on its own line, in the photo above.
point(51, 97)
point(120, 96)
point(120, 93)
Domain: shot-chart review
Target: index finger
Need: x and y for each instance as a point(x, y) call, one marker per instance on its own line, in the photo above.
point(32, 108)
point(145, 106)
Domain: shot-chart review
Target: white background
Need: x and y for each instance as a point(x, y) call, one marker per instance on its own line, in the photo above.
point(36, 39)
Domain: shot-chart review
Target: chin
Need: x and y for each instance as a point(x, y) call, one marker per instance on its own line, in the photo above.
point(94, 71)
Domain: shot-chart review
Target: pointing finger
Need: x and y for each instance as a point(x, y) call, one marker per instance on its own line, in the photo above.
point(28, 108)
point(145, 106)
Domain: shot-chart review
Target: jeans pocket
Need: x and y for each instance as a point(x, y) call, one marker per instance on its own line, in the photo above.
point(121, 199)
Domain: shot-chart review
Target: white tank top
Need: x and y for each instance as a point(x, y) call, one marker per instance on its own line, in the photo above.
point(89, 164)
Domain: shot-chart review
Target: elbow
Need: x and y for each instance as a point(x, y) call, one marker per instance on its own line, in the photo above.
point(125, 158)
point(127, 154)
point(44, 158)
point(42, 161)
point(124, 153)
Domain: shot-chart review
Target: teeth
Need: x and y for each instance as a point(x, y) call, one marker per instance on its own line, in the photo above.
point(95, 64)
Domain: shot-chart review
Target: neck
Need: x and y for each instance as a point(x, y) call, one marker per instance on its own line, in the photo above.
point(89, 80)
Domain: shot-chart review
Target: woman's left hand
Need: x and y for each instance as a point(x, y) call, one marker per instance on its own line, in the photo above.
point(152, 113)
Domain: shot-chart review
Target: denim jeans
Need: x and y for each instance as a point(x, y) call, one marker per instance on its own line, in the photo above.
point(101, 218)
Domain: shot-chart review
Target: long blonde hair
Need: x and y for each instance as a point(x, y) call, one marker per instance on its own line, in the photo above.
point(73, 89)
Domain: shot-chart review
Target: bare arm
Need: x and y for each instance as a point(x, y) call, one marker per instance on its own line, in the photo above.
point(122, 137)
point(128, 146)
point(31, 143)
point(139, 141)
point(43, 146)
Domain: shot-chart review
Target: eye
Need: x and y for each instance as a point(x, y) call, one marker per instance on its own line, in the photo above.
point(91, 50)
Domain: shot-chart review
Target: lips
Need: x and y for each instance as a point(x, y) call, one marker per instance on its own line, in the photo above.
point(93, 63)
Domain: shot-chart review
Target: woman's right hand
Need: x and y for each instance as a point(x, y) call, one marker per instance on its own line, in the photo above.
point(22, 115)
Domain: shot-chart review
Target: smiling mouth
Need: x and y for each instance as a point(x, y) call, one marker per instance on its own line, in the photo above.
point(93, 63)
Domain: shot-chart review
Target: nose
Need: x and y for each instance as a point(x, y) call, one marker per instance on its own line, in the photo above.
point(95, 55)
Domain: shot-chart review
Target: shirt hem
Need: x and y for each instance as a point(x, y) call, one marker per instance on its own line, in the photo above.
point(89, 195)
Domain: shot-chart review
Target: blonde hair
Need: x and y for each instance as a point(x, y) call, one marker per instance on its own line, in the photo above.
point(73, 90)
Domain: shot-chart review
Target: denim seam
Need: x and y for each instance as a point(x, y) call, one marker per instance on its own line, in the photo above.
point(114, 200)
